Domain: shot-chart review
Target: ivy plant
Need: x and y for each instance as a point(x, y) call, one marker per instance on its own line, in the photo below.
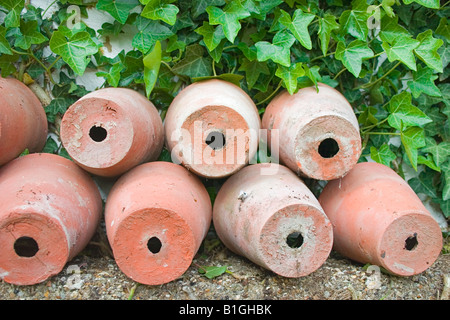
point(388, 57)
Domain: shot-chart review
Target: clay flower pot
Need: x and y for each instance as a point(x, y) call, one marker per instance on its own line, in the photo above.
point(156, 216)
point(23, 123)
point(49, 210)
point(377, 218)
point(112, 130)
point(273, 220)
point(212, 128)
point(318, 132)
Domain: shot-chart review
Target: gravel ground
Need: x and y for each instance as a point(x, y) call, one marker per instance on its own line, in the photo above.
point(97, 277)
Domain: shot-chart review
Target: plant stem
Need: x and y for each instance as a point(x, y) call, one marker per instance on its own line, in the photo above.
point(385, 133)
point(370, 84)
point(339, 73)
point(270, 95)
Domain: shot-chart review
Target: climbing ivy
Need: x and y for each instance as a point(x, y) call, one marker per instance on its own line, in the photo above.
point(388, 57)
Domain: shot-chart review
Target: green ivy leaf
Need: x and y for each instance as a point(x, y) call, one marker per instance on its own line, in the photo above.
point(355, 23)
point(152, 62)
point(4, 44)
point(194, 64)
point(387, 6)
point(445, 177)
point(353, 55)
point(427, 50)
point(74, 50)
point(160, 10)
point(412, 139)
point(228, 18)
point(404, 113)
point(423, 82)
point(119, 9)
point(423, 184)
point(443, 29)
point(212, 272)
point(278, 50)
point(402, 50)
point(440, 151)
point(391, 30)
point(212, 36)
point(253, 69)
point(199, 6)
point(298, 25)
point(230, 77)
point(326, 26)
point(14, 7)
point(149, 32)
point(289, 75)
point(382, 155)
point(113, 75)
point(30, 35)
point(433, 4)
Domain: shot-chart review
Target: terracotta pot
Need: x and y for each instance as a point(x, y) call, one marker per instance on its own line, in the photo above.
point(49, 210)
point(23, 123)
point(156, 216)
point(273, 220)
point(212, 128)
point(112, 130)
point(377, 218)
point(318, 132)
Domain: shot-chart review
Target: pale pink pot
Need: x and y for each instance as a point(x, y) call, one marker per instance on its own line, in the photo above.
point(258, 208)
point(157, 216)
point(111, 130)
point(49, 210)
point(316, 134)
point(212, 128)
point(23, 123)
point(378, 219)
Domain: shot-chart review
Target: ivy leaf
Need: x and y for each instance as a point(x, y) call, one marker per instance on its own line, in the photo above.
point(194, 64)
point(298, 25)
point(149, 32)
point(391, 30)
point(423, 184)
point(212, 271)
point(14, 7)
point(433, 4)
point(387, 6)
point(440, 152)
point(423, 82)
point(446, 181)
point(412, 139)
point(230, 77)
point(119, 9)
point(404, 113)
point(4, 44)
point(74, 50)
point(212, 36)
point(355, 23)
point(402, 50)
point(427, 50)
point(30, 35)
point(326, 26)
point(113, 75)
point(278, 50)
point(383, 155)
point(353, 55)
point(152, 62)
point(199, 6)
point(289, 75)
point(228, 18)
point(252, 70)
point(159, 10)
point(443, 29)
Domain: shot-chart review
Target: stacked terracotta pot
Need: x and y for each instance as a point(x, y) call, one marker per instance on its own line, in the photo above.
point(158, 213)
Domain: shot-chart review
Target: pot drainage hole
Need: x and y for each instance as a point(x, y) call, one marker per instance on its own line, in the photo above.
point(26, 247)
point(294, 240)
point(98, 134)
point(328, 148)
point(154, 245)
point(215, 140)
point(411, 242)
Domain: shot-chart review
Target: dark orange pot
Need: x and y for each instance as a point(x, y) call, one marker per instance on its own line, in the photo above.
point(212, 128)
point(268, 215)
point(49, 210)
point(318, 132)
point(112, 130)
point(23, 123)
point(377, 218)
point(156, 216)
